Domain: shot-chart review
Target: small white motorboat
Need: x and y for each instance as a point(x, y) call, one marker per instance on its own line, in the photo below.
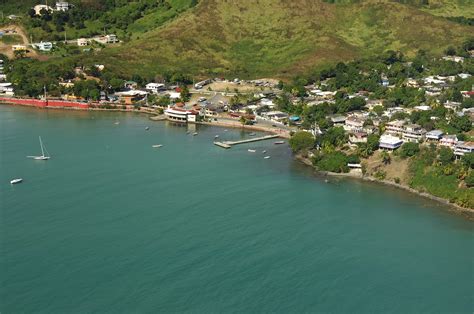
point(16, 181)
point(251, 150)
point(266, 157)
point(279, 142)
point(157, 146)
point(217, 136)
point(264, 152)
point(147, 128)
point(195, 133)
point(116, 122)
point(252, 134)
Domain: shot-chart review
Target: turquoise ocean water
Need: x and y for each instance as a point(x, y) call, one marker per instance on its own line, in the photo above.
point(110, 224)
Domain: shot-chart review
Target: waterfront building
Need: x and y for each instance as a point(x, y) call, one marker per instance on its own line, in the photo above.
point(390, 142)
point(180, 115)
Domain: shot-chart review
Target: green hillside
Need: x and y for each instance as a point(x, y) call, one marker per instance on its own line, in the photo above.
point(270, 37)
point(251, 38)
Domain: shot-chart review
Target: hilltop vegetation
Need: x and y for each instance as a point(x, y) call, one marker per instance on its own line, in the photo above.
point(250, 38)
point(269, 37)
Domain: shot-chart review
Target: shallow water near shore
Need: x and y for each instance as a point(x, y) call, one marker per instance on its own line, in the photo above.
point(110, 224)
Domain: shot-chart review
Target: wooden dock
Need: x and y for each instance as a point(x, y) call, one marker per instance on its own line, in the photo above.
point(229, 144)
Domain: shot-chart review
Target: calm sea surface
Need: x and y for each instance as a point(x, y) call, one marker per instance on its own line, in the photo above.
point(110, 224)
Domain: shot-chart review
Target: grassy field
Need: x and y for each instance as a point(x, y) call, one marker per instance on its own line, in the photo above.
point(11, 40)
point(249, 38)
point(269, 37)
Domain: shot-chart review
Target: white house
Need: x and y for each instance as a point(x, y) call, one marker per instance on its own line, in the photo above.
point(81, 42)
point(448, 141)
point(154, 87)
point(39, 7)
point(62, 6)
point(434, 135)
point(390, 142)
point(44, 46)
point(463, 148)
point(413, 133)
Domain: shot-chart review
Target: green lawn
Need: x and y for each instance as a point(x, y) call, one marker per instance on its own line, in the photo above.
point(11, 39)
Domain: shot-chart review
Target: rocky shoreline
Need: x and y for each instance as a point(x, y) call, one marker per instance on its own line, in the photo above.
point(469, 212)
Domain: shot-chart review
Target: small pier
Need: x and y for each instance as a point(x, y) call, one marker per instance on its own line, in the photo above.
point(229, 144)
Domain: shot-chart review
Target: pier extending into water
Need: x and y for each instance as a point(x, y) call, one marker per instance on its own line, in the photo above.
point(229, 144)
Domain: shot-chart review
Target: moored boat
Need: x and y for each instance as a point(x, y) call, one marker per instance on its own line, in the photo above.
point(43, 156)
point(251, 150)
point(279, 142)
point(157, 146)
point(16, 181)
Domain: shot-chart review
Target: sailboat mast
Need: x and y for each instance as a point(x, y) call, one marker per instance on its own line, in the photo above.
point(42, 150)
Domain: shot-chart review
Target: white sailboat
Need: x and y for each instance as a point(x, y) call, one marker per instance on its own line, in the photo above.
point(43, 155)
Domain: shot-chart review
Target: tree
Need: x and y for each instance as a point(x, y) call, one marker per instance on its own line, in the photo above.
point(469, 180)
point(461, 123)
point(468, 160)
point(333, 162)
point(116, 84)
point(386, 159)
point(301, 141)
point(450, 51)
point(446, 156)
point(378, 110)
point(409, 149)
point(185, 95)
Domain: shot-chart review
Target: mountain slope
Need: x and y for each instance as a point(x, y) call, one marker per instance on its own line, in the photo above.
point(276, 37)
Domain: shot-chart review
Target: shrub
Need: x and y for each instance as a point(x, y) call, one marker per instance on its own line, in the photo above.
point(301, 141)
point(468, 160)
point(380, 175)
point(469, 180)
point(409, 149)
point(396, 180)
point(333, 162)
point(446, 156)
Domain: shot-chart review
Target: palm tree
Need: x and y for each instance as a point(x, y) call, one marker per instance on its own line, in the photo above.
point(386, 159)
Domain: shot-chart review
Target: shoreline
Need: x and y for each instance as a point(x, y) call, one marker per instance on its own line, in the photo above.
point(286, 135)
point(281, 133)
point(456, 208)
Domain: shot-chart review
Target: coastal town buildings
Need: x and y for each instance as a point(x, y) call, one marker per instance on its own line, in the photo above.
point(390, 142)
point(155, 88)
point(180, 115)
point(448, 141)
point(463, 148)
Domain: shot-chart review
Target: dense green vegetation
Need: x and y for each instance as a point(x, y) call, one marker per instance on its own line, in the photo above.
point(268, 37)
point(442, 179)
point(88, 18)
